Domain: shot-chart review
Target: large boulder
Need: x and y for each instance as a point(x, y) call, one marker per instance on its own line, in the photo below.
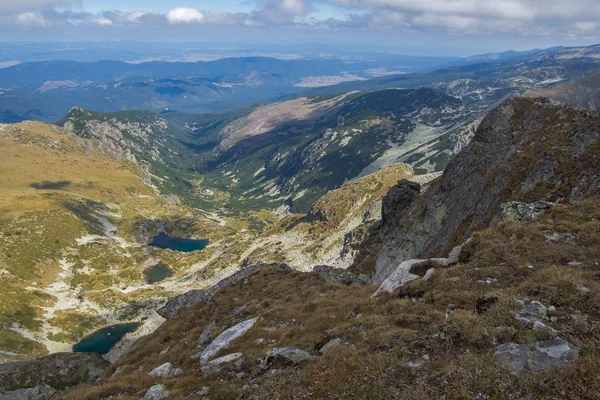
point(287, 355)
point(222, 341)
point(157, 392)
point(59, 371)
point(165, 370)
point(538, 357)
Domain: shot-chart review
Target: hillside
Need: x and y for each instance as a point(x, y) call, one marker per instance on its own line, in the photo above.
point(510, 314)
point(74, 229)
point(284, 155)
point(584, 93)
point(77, 216)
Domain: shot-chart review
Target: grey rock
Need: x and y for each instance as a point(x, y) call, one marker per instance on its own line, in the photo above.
point(205, 336)
point(539, 357)
point(416, 363)
point(532, 311)
point(165, 370)
point(522, 212)
point(330, 345)
point(157, 392)
point(165, 350)
point(187, 299)
point(575, 264)
point(554, 237)
point(582, 289)
point(59, 371)
point(340, 276)
point(288, 355)
point(39, 392)
point(223, 340)
point(226, 359)
point(402, 274)
point(210, 369)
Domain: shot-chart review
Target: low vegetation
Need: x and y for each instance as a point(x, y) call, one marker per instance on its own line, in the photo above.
point(427, 340)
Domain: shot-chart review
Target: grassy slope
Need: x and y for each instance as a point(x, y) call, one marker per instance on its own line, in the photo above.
point(393, 328)
point(39, 227)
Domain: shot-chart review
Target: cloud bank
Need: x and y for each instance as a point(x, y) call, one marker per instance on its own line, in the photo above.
point(475, 17)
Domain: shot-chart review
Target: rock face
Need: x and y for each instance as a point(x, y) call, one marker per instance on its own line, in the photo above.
point(39, 392)
point(526, 150)
point(223, 340)
point(192, 297)
point(539, 357)
point(59, 371)
point(187, 299)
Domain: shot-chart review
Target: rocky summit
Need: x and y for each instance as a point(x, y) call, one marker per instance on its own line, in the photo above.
point(423, 243)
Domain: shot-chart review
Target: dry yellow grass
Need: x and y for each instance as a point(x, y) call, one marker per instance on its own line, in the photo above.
point(33, 153)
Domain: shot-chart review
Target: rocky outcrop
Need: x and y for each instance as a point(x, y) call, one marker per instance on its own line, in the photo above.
point(192, 297)
point(539, 357)
point(39, 392)
point(526, 150)
point(520, 212)
point(340, 276)
point(187, 299)
point(59, 371)
point(405, 272)
point(223, 340)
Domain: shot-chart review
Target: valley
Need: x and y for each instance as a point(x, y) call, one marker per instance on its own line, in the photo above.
point(341, 221)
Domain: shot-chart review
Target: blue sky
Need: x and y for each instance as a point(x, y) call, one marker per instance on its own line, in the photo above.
point(419, 26)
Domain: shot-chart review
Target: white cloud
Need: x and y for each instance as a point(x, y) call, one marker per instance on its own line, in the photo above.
point(31, 19)
point(132, 18)
point(527, 17)
point(184, 15)
point(101, 21)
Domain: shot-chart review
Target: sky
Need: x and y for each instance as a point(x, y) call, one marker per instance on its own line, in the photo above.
point(460, 27)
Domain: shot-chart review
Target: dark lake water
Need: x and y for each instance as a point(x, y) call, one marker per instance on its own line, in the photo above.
point(164, 241)
point(104, 339)
point(158, 272)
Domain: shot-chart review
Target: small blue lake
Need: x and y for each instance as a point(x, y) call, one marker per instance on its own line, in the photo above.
point(164, 241)
point(157, 273)
point(104, 339)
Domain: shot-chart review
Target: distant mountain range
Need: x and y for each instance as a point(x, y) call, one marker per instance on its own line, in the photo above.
point(285, 155)
point(46, 90)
